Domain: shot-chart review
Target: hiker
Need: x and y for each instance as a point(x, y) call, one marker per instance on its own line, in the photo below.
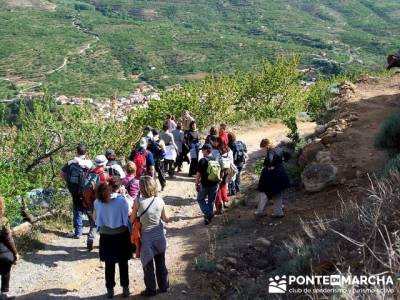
point(274, 179)
point(187, 119)
point(150, 209)
point(207, 180)
point(193, 141)
point(239, 150)
point(131, 184)
point(215, 142)
point(73, 173)
point(179, 138)
point(393, 60)
point(114, 166)
point(143, 159)
point(111, 215)
point(212, 132)
point(8, 252)
point(226, 162)
point(223, 134)
point(148, 133)
point(170, 151)
point(157, 148)
point(170, 122)
point(91, 181)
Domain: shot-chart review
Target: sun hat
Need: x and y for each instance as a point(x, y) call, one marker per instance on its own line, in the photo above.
point(143, 143)
point(100, 160)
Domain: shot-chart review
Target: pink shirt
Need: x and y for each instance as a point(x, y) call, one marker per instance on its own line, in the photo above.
point(131, 184)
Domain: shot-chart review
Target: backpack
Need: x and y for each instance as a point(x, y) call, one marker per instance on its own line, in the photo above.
point(140, 160)
point(155, 148)
point(225, 161)
point(239, 153)
point(111, 170)
point(213, 171)
point(75, 176)
point(89, 185)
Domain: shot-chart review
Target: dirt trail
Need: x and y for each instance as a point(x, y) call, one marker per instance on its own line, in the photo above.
point(65, 269)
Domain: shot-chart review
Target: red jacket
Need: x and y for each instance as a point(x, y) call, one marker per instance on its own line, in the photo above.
point(223, 134)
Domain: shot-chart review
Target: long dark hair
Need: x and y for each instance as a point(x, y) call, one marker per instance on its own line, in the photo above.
point(104, 192)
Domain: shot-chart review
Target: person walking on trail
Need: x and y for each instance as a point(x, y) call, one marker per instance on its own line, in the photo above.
point(179, 138)
point(143, 159)
point(157, 148)
point(114, 166)
point(274, 179)
point(131, 184)
point(215, 143)
point(8, 252)
point(213, 132)
point(239, 150)
point(74, 173)
point(92, 180)
point(111, 215)
point(148, 133)
point(187, 119)
point(193, 141)
point(170, 122)
point(207, 179)
point(223, 134)
point(151, 210)
point(226, 162)
point(170, 151)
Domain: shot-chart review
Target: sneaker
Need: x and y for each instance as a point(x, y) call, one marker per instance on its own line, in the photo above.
point(75, 236)
point(125, 292)
point(110, 293)
point(225, 205)
point(207, 221)
point(162, 291)
point(277, 216)
point(147, 293)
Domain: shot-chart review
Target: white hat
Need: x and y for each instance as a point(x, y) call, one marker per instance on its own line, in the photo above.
point(143, 143)
point(100, 160)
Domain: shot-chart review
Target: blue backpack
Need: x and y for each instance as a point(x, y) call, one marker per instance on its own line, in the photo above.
point(239, 150)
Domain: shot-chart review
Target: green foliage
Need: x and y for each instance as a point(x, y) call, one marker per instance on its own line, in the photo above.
point(388, 136)
point(204, 264)
point(182, 38)
point(294, 135)
point(392, 165)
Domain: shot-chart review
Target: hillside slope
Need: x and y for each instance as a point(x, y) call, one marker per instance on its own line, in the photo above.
point(165, 42)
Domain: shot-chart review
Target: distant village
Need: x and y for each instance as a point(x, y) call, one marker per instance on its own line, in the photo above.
point(118, 107)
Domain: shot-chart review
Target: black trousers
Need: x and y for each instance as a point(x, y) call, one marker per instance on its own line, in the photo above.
point(158, 166)
point(193, 166)
point(123, 274)
point(169, 167)
point(5, 282)
point(161, 274)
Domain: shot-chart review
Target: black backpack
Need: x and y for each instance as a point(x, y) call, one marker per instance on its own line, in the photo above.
point(75, 177)
point(239, 150)
point(155, 148)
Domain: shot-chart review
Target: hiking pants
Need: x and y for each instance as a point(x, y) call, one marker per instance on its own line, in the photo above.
point(161, 274)
point(234, 186)
point(179, 161)
point(5, 282)
point(160, 172)
point(193, 166)
point(222, 195)
point(263, 201)
point(123, 274)
point(169, 167)
point(78, 211)
point(209, 193)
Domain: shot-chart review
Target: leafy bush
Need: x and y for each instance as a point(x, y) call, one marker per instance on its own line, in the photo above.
point(392, 165)
point(388, 136)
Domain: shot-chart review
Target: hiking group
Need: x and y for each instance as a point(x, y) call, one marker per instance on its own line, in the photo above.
point(122, 204)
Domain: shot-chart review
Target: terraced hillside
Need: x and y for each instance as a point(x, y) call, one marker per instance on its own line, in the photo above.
point(103, 48)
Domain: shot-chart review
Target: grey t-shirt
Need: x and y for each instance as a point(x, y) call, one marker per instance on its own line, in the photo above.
point(152, 217)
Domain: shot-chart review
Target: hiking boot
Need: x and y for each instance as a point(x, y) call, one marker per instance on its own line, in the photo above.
point(147, 293)
point(207, 221)
point(125, 292)
point(110, 293)
point(225, 205)
point(89, 245)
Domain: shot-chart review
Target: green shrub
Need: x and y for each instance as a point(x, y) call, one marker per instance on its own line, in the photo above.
point(388, 136)
point(204, 264)
point(392, 165)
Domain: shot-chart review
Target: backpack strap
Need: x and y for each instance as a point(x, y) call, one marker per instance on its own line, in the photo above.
point(145, 211)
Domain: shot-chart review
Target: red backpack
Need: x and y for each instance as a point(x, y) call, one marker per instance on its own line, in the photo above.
point(140, 161)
